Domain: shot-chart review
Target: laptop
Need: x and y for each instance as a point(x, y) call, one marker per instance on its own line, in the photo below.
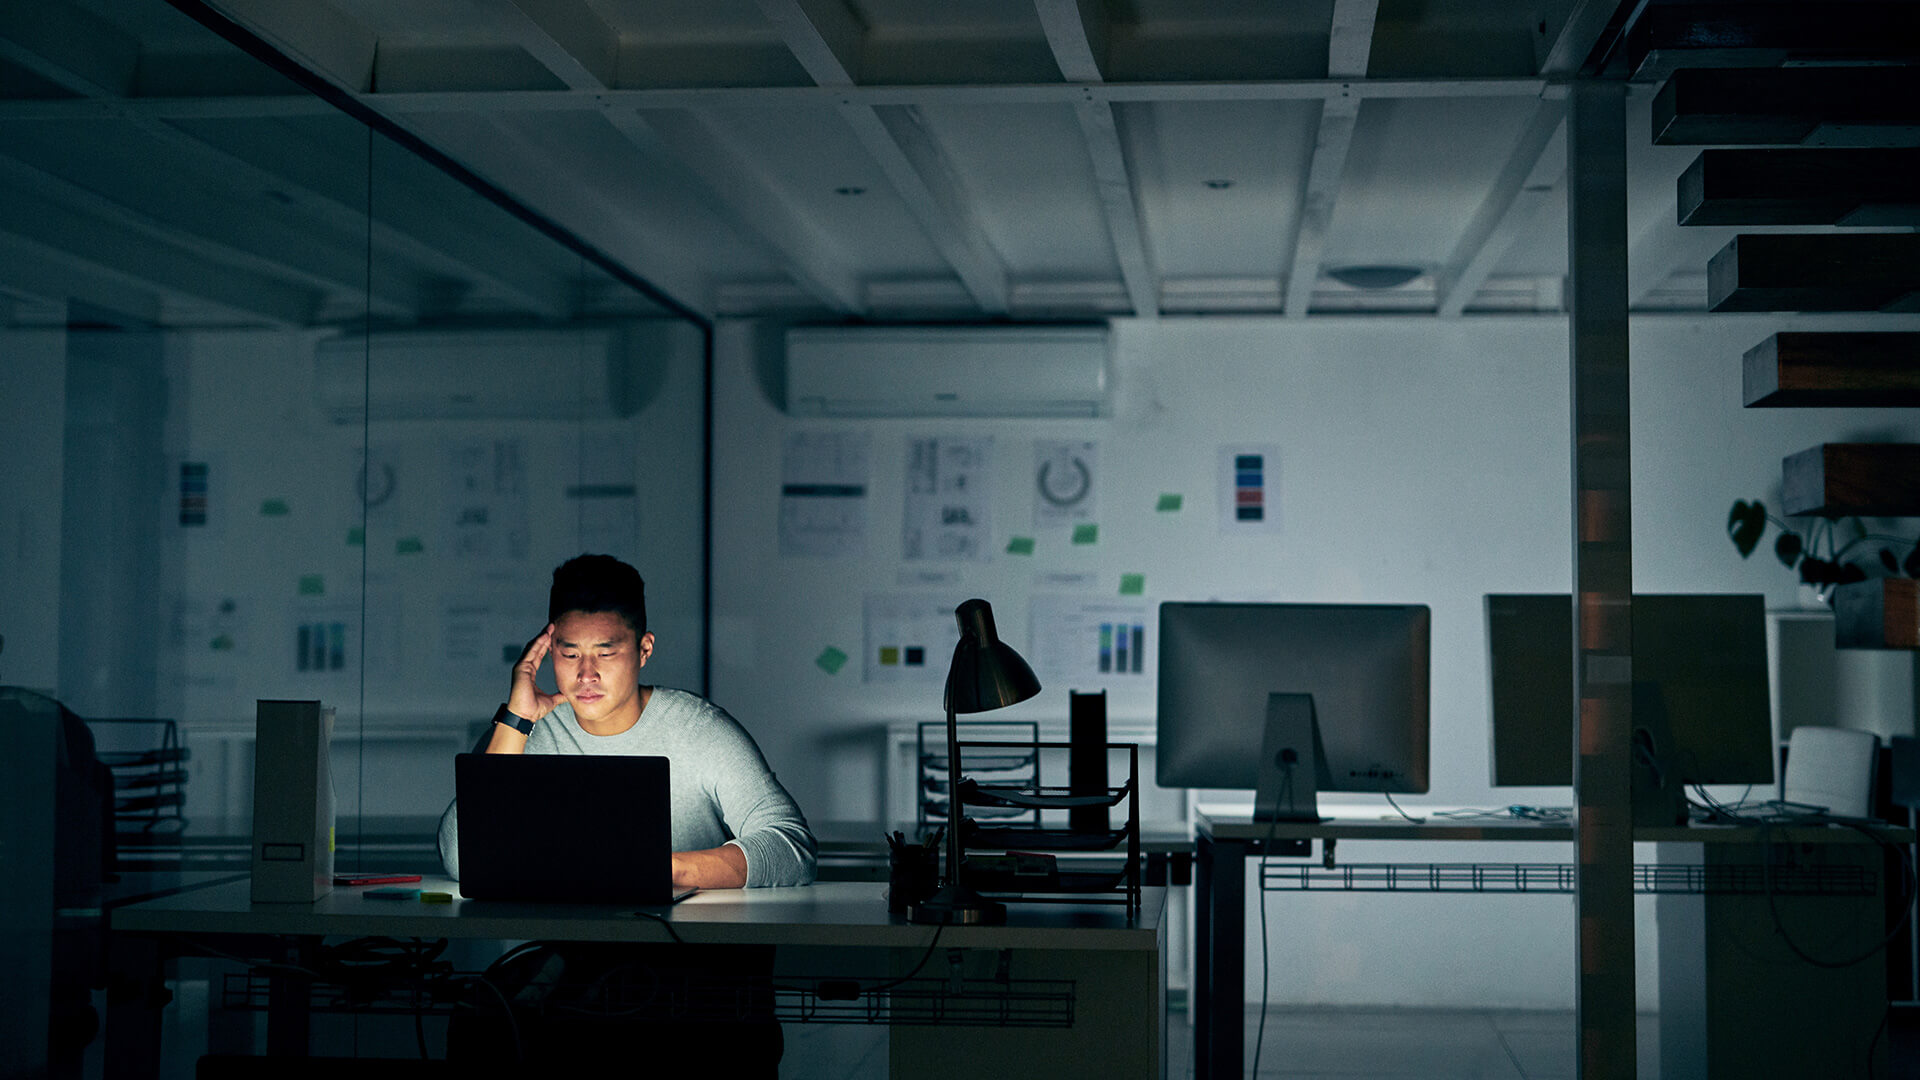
point(566, 828)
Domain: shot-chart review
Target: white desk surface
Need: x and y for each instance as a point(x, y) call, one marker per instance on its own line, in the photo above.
point(842, 913)
point(1241, 827)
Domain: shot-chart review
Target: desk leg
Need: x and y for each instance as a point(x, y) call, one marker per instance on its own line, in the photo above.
point(289, 1003)
point(1220, 957)
point(136, 994)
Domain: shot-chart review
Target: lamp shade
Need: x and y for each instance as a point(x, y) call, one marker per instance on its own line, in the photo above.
point(986, 673)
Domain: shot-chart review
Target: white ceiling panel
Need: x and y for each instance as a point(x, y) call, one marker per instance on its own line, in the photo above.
point(1187, 151)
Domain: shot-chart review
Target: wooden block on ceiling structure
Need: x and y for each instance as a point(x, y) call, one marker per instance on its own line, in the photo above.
point(1846, 479)
point(1668, 37)
point(1801, 187)
point(1795, 369)
point(1829, 272)
point(1883, 613)
point(1812, 106)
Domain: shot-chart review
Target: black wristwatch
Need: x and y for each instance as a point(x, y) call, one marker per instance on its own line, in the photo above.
point(513, 720)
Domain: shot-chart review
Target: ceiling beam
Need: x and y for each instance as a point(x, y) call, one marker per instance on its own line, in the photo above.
point(276, 251)
point(47, 273)
point(1076, 32)
point(69, 47)
point(1349, 45)
point(500, 102)
point(568, 38)
point(315, 34)
point(818, 34)
point(1519, 194)
point(1568, 38)
point(573, 42)
point(107, 248)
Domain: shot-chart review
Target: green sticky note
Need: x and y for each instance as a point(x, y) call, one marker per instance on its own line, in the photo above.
point(408, 545)
point(1086, 534)
point(274, 508)
point(1133, 584)
point(831, 660)
point(356, 537)
point(1169, 503)
point(1020, 545)
point(313, 585)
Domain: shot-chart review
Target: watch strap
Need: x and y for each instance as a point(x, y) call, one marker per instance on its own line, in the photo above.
point(513, 720)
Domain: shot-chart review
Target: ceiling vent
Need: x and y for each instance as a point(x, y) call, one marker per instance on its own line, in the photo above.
point(1014, 371)
point(594, 372)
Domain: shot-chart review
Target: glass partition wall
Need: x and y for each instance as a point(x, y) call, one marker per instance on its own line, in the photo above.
point(295, 413)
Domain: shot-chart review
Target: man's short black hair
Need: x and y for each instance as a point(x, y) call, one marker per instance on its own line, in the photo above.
point(596, 583)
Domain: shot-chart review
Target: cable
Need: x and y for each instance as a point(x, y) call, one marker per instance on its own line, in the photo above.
point(1260, 890)
point(665, 923)
point(1402, 813)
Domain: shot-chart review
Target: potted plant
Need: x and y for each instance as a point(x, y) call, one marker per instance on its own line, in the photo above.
point(1823, 558)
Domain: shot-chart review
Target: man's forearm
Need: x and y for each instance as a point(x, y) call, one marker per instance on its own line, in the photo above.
point(506, 741)
point(724, 867)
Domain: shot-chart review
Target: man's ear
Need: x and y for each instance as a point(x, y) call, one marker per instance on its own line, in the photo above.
point(645, 647)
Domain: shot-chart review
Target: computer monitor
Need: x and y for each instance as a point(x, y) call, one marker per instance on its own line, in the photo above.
point(1699, 670)
point(1365, 667)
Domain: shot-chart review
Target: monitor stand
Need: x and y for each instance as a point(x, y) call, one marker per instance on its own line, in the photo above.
point(1291, 761)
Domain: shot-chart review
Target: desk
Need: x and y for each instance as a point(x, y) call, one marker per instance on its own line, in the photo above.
point(1117, 964)
point(1729, 1006)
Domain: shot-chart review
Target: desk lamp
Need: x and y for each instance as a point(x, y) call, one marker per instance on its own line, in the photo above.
point(986, 674)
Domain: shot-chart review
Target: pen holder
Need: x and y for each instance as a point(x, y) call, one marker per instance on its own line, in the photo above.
point(913, 874)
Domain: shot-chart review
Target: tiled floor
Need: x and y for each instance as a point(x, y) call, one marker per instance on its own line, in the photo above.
point(1310, 1044)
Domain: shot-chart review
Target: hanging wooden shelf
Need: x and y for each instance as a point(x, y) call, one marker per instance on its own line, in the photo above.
point(1801, 187)
point(1827, 272)
point(1883, 613)
point(1845, 479)
point(1811, 106)
point(1796, 369)
point(1670, 36)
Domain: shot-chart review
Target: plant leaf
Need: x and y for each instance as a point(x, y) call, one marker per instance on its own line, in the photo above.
point(1787, 548)
point(1745, 524)
point(1887, 560)
point(1848, 573)
point(1912, 564)
point(1817, 571)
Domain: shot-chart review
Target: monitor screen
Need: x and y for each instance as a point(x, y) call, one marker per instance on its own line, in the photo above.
point(1699, 669)
point(1364, 664)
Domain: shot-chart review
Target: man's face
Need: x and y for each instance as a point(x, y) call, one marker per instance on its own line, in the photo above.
point(597, 660)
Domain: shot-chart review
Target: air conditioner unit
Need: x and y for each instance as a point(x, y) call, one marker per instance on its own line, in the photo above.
point(1033, 371)
point(595, 372)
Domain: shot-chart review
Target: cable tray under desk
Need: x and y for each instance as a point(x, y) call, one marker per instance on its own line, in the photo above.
point(930, 1002)
point(1559, 878)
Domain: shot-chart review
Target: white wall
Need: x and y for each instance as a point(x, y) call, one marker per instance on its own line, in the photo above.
point(224, 599)
point(33, 390)
point(1422, 461)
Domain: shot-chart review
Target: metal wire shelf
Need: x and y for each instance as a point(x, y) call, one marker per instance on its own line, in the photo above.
point(931, 1002)
point(1784, 880)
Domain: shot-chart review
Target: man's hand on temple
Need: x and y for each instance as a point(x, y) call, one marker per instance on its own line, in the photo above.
point(526, 699)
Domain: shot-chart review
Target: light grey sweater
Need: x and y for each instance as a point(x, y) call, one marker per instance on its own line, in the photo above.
point(722, 790)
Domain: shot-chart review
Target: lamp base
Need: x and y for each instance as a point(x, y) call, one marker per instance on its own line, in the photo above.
point(957, 905)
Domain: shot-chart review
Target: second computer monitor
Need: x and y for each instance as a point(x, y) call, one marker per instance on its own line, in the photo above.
point(1700, 687)
point(1366, 666)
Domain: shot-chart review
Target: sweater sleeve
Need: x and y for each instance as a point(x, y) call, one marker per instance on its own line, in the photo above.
point(450, 840)
point(765, 821)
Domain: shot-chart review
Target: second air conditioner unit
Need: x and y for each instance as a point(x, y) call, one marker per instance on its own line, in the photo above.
point(1015, 371)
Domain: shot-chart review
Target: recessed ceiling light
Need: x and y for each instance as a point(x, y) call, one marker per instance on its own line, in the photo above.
point(1374, 277)
point(1219, 185)
point(849, 190)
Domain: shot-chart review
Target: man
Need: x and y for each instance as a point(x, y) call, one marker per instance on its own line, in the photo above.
point(733, 824)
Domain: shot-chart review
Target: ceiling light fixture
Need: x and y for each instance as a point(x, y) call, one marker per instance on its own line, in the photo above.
point(849, 191)
point(1374, 277)
point(1218, 185)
